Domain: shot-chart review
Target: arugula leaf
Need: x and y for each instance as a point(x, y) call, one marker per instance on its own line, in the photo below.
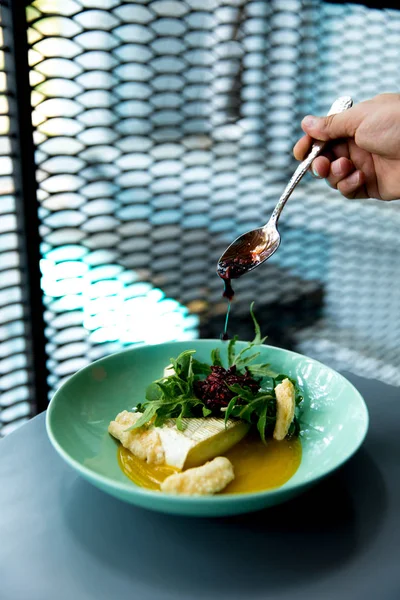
point(262, 421)
point(148, 414)
point(190, 374)
point(244, 393)
point(230, 408)
point(206, 411)
point(231, 350)
point(256, 408)
point(169, 390)
point(242, 361)
point(179, 418)
point(258, 340)
point(239, 359)
point(268, 385)
point(183, 364)
point(216, 357)
point(260, 370)
point(153, 392)
point(249, 411)
point(173, 397)
point(200, 368)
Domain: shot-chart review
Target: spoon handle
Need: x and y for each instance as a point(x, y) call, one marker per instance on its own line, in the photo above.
point(340, 105)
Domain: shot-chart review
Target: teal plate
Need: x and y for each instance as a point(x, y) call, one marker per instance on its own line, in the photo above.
point(334, 422)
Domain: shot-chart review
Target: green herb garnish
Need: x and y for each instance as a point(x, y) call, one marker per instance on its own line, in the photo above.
point(174, 397)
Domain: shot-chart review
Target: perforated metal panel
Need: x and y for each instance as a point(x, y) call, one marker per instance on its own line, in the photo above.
point(16, 392)
point(165, 128)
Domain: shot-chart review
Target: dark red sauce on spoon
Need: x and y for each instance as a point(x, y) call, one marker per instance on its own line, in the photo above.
point(234, 268)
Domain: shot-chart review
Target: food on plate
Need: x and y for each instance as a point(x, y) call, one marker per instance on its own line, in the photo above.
point(198, 441)
point(285, 406)
point(208, 479)
point(145, 443)
point(204, 428)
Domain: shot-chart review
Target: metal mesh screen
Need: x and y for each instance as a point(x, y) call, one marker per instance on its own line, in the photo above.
point(163, 129)
point(16, 392)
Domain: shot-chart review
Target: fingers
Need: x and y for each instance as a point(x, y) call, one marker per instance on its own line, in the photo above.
point(302, 147)
point(340, 149)
point(320, 167)
point(353, 186)
point(334, 171)
point(341, 175)
point(336, 127)
point(341, 125)
point(335, 150)
point(334, 165)
point(339, 170)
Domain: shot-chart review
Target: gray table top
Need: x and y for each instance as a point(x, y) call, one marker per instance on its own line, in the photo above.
point(63, 539)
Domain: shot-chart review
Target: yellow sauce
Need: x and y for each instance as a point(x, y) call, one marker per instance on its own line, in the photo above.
point(257, 466)
point(261, 467)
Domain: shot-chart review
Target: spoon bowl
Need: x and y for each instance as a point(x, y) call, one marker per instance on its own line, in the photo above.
point(248, 251)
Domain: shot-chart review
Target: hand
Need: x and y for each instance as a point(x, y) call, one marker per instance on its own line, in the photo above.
point(363, 157)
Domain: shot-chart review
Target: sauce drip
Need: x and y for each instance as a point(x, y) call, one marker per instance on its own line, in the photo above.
point(244, 254)
point(257, 466)
point(228, 289)
point(232, 269)
point(224, 334)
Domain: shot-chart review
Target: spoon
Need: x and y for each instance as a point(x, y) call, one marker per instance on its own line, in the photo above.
point(251, 249)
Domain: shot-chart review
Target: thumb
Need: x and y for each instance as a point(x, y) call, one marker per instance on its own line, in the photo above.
point(340, 125)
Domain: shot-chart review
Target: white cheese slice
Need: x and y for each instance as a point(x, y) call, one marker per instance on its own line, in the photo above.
point(200, 441)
